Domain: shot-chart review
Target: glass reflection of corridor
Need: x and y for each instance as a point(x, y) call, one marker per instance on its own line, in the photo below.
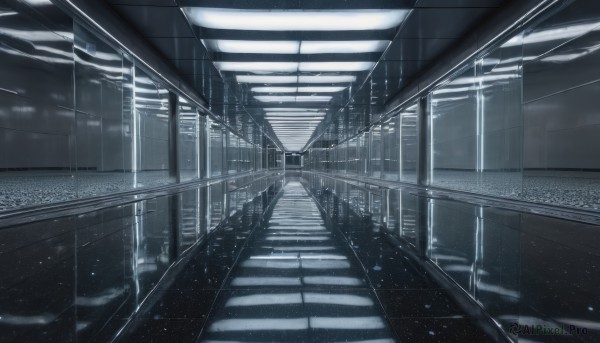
point(297, 281)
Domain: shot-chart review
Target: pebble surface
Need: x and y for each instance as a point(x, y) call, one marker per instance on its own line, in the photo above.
point(573, 189)
point(36, 188)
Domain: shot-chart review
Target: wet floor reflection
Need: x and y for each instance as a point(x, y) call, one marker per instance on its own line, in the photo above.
point(297, 281)
point(526, 270)
point(249, 260)
point(80, 278)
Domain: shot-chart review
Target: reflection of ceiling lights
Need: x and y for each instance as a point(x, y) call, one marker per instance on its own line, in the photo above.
point(295, 20)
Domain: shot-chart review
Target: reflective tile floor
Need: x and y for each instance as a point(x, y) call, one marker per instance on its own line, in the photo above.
point(300, 279)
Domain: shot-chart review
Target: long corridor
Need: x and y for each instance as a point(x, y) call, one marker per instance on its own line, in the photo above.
point(299, 171)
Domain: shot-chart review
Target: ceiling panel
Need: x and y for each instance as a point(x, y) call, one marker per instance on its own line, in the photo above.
point(412, 49)
point(426, 23)
point(179, 49)
point(155, 21)
point(430, 30)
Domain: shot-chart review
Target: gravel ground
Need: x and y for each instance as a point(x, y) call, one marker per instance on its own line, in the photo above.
point(574, 189)
point(35, 188)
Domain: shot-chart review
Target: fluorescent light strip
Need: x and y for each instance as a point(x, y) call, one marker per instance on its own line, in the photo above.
point(258, 66)
point(320, 89)
point(290, 124)
point(274, 89)
point(290, 109)
point(336, 66)
point(252, 46)
point(297, 89)
point(295, 120)
point(291, 98)
point(327, 79)
point(266, 79)
point(343, 47)
point(294, 47)
point(295, 20)
point(291, 114)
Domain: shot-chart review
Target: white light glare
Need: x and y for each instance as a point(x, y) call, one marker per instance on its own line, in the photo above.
point(343, 47)
point(295, 20)
point(294, 47)
point(297, 89)
point(258, 67)
point(252, 46)
point(274, 89)
point(266, 79)
point(336, 66)
point(290, 109)
point(291, 98)
point(327, 79)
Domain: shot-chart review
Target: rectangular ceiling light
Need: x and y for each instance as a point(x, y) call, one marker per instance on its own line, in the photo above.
point(294, 114)
point(292, 109)
point(309, 98)
point(336, 66)
point(258, 67)
point(343, 47)
point(292, 98)
point(252, 46)
point(327, 79)
point(297, 89)
point(266, 79)
point(275, 98)
point(297, 124)
point(320, 89)
point(295, 20)
point(274, 89)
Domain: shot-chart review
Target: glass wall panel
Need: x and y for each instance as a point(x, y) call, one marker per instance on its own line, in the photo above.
point(454, 160)
point(363, 154)
point(391, 149)
point(561, 83)
point(233, 153)
point(375, 152)
point(352, 157)
point(188, 141)
point(216, 150)
point(501, 120)
point(152, 131)
point(409, 139)
point(100, 127)
point(36, 110)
